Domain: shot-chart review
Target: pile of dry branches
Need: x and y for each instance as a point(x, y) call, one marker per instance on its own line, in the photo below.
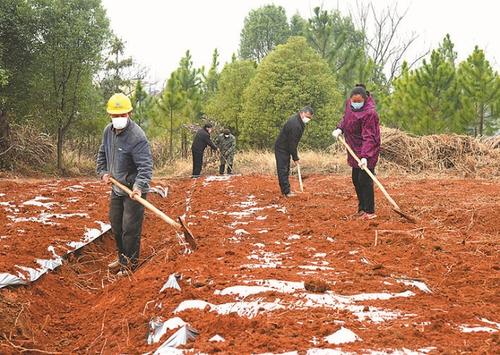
point(463, 154)
point(28, 148)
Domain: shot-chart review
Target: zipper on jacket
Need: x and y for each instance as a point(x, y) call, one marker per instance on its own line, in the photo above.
point(113, 146)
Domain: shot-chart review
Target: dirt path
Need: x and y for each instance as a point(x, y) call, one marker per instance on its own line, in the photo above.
point(432, 286)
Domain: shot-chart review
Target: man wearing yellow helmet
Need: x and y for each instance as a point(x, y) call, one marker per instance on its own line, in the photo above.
point(125, 154)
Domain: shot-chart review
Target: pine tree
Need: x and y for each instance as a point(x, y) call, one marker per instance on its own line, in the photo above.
point(170, 103)
point(210, 80)
point(336, 40)
point(428, 100)
point(481, 87)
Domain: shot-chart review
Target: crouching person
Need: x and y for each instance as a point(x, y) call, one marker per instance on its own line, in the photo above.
point(125, 155)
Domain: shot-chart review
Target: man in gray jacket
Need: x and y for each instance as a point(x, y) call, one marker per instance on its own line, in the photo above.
point(125, 154)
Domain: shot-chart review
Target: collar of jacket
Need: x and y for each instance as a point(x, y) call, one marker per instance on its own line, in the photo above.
point(300, 120)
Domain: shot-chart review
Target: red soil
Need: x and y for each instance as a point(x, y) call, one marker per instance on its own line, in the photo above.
point(81, 308)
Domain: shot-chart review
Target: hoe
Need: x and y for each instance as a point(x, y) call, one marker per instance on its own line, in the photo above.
point(395, 206)
point(179, 227)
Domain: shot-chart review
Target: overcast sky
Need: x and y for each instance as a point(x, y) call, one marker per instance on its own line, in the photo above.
point(157, 33)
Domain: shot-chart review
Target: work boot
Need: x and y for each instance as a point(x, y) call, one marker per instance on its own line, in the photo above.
point(358, 214)
point(368, 216)
point(124, 272)
point(114, 266)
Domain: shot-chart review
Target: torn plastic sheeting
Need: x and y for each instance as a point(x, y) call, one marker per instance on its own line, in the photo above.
point(331, 300)
point(90, 235)
point(327, 351)
point(157, 328)
point(7, 279)
point(74, 188)
point(497, 325)
point(262, 286)
point(217, 338)
point(415, 283)
point(180, 337)
point(402, 351)
point(37, 202)
point(44, 217)
point(342, 336)
point(171, 283)
point(469, 329)
point(247, 309)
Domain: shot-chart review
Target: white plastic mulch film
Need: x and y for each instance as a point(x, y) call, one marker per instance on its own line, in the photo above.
point(25, 274)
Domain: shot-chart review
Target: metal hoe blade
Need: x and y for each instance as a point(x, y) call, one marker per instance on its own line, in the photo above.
point(188, 235)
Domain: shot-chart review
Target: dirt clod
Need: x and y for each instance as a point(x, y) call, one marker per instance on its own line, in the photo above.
point(316, 285)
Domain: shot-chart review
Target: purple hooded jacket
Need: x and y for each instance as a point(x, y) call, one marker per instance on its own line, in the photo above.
point(361, 130)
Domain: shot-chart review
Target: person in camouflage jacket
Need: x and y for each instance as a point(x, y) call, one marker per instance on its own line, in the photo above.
point(226, 143)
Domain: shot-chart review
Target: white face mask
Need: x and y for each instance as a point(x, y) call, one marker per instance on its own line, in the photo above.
point(305, 119)
point(226, 135)
point(119, 122)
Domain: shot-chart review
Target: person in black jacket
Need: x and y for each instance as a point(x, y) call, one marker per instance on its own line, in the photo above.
point(286, 146)
point(200, 142)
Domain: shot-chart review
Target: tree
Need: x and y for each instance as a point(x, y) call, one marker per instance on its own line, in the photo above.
point(143, 104)
point(73, 34)
point(289, 78)
point(428, 99)
point(481, 87)
point(226, 107)
point(190, 79)
point(336, 40)
point(210, 80)
point(18, 49)
point(383, 44)
point(298, 25)
point(115, 80)
point(171, 101)
point(263, 29)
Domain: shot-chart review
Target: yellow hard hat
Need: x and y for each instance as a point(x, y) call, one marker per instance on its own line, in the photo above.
point(119, 103)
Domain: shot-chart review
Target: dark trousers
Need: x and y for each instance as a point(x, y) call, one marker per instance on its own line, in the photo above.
point(283, 169)
point(364, 190)
point(222, 167)
point(126, 217)
point(197, 162)
point(226, 159)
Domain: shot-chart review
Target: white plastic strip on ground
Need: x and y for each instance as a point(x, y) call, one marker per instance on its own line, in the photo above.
point(469, 329)
point(217, 339)
point(304, 300)
point(342, 336)
point(403, 351)
point(415, 283)
point(497, 325)
point(243, 309)
point(31, 274)
point(157, 328)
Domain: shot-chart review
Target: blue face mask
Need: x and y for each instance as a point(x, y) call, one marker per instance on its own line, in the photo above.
point(357, 105)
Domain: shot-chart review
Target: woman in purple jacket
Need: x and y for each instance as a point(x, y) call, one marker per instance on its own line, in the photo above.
point(361, 129)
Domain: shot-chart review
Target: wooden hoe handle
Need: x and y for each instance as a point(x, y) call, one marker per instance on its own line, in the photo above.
point(374, 178)
point(148, 205)
point(301, 186)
